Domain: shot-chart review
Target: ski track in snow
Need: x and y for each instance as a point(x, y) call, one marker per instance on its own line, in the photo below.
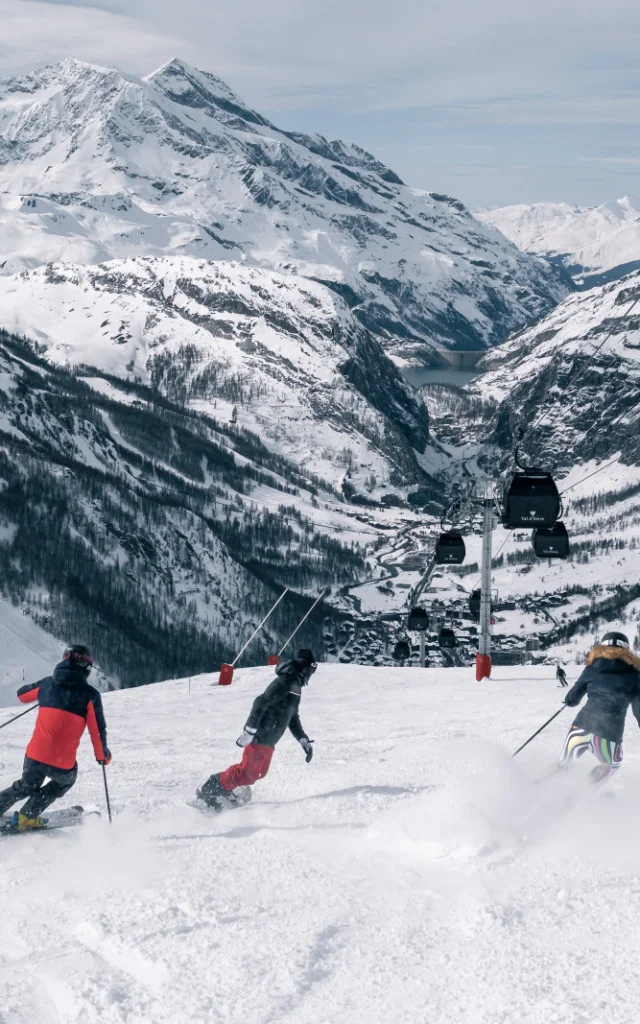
point(387, 881)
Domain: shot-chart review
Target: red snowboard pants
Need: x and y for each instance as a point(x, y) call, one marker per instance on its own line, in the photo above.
point(254, 765)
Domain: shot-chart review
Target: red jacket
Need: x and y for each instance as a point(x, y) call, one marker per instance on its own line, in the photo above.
point(67, 704)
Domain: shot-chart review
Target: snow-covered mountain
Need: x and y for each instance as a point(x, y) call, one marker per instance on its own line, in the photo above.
point(571, 383)
point(595, 244)
point(97, 165)
point(567, 392)
point(158, 536)
point(28, 651)
point(281, 355)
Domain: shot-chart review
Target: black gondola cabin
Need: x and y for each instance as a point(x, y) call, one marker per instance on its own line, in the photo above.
point(532, 500)
point(447, 637)
point(402, 651)
point(418, 620)
point(450, 549)
point(475, 600)
point(551, 542)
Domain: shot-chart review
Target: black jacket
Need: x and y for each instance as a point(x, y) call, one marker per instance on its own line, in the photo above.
point(611, 682)
point(276, 709)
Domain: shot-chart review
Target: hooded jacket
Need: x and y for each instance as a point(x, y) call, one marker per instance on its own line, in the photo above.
point(276, 709)
point(611, 682)
point(67, 704)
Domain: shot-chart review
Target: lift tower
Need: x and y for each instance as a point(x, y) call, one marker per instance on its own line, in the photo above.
point(483, 657)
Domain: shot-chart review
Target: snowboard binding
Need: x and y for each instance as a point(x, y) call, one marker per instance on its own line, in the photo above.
point(214, 797)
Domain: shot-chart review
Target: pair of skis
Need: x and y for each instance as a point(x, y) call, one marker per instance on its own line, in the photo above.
point(68, 817)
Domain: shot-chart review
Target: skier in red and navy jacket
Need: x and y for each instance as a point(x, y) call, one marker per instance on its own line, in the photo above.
point(67, 704)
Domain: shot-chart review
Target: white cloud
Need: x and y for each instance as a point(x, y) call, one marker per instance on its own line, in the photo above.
point(414, 80)
point(501, 59)
point(35, 32)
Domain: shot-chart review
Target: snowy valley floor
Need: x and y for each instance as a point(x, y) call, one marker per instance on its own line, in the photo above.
point(388, 881)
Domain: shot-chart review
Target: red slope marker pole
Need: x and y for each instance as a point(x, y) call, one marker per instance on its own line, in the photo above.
point(348, 643)
point(226, 671)
point(301, 623)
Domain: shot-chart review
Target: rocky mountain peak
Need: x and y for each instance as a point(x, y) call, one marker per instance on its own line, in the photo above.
point(201, 90)
point(97, 165)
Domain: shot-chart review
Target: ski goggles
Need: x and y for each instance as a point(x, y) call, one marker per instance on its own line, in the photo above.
point(82, 659)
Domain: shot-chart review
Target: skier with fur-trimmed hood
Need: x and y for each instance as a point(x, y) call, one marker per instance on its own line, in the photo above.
point(611, 682)
point(273, 712)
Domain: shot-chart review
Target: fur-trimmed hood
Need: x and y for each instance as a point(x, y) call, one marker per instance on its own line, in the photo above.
point(611, 653)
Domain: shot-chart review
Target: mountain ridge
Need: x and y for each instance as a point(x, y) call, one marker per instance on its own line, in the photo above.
point(595, 244)
point(97, 166)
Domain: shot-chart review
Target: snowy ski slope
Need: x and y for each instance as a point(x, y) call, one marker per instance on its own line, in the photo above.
point(28, 651)
point(354, 889)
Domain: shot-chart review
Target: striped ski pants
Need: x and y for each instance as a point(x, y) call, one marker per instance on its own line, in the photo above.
point(609, 754)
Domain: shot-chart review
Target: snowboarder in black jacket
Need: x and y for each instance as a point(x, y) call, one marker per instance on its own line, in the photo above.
point(611, 681)
point(273, 712)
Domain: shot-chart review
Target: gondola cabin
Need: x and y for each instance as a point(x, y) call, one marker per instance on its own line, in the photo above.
point(475, 600)
point(551, 542)
point(401, 651)
point(531, 500)
point(447, 638)
point(450, 549)
point(418, 620)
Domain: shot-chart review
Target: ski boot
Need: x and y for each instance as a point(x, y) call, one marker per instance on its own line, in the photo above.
point(22, 823)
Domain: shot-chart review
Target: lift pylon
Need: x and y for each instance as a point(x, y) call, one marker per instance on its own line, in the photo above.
point(483, 657)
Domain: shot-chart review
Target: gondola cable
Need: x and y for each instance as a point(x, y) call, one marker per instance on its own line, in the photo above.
point(594, 473)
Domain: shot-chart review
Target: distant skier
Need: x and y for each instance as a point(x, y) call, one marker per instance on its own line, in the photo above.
point(67, 704)
point(611, 682)
point(561, 676)
point(272, 713)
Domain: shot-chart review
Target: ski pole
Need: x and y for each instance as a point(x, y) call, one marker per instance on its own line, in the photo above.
point(341, 652)
point(537, 733)
point(16, 717)
point(106, 792)
point(302, 622)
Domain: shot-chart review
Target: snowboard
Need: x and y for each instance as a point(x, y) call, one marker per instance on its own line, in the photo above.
point(240, 798)
point(66, 817)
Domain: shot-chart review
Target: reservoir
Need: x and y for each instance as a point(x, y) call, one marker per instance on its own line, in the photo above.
point(457, 367)
point(416, 376)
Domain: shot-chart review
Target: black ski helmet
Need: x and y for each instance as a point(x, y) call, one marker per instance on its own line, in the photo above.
point(615, 640)
point(79, 655)
point(307, 662)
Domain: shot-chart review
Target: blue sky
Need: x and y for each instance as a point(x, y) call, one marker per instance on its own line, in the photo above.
point(497, 101)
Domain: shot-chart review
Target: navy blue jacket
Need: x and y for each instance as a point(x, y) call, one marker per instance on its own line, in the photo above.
point(611, 682)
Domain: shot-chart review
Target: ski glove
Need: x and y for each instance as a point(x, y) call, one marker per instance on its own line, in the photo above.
point(106, 759)
point(246, 738)
point(307, 746)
